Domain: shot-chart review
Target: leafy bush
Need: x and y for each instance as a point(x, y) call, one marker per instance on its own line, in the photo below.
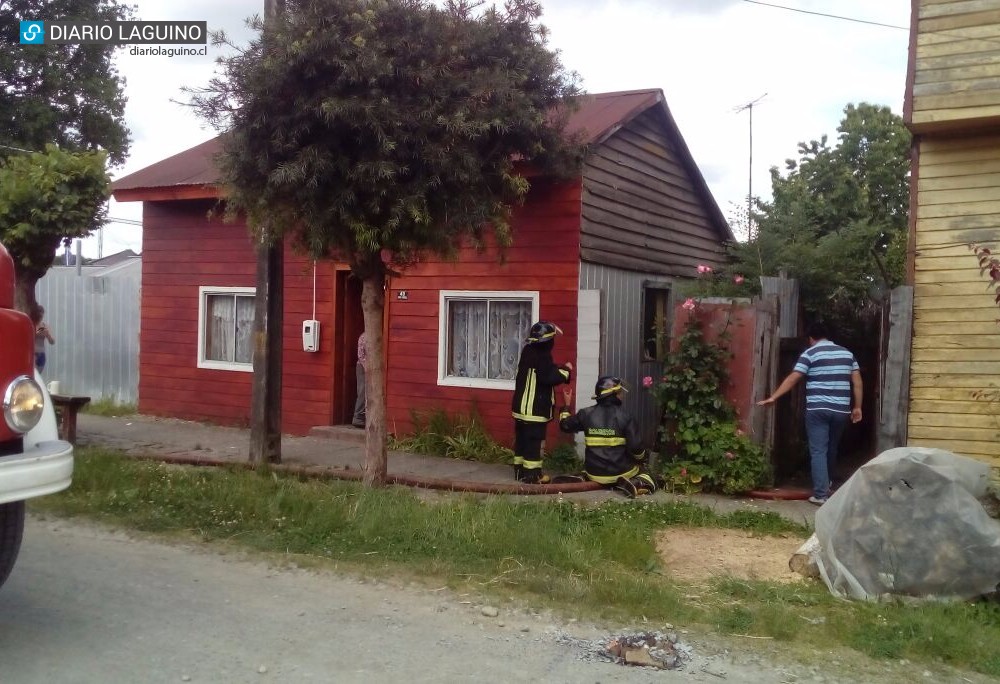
point(562, 459)
point(699, 429)
point(459, 436)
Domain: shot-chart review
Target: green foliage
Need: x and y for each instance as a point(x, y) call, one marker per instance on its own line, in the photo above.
point(837, 218)
point(46, 197)
point(562, 459)
point(67, 95)
point(724, 460)
point(724, 282)
point(699, 430)
point(459, 436)
point(369, 125)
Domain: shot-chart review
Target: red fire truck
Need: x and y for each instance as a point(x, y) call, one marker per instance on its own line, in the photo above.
point(33, 460)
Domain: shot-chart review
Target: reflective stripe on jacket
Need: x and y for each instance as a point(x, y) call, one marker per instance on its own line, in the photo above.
point(611, 437)
point(537, 375)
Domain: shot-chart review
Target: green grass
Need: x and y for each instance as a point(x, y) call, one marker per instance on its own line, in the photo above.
point(593, 561)
point(108, 407)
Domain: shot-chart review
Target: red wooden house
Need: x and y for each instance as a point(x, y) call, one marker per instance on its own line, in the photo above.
point(598, 255)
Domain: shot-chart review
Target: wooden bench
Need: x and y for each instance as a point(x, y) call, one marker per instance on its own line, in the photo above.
point(68, 406)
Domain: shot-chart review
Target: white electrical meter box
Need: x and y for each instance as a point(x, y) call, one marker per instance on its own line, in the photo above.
point(310, 336)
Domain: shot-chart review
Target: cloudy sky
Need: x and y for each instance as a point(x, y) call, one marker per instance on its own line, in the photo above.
point(709, 57)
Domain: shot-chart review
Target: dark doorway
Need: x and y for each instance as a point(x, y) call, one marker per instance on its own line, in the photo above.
point(857, 446)
point(348, 323)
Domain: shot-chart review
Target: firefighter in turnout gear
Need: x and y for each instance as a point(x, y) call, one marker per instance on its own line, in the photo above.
point(534, 399)
point(614, 455)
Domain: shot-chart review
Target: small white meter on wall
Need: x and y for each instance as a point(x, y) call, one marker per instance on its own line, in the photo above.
point(310, 336)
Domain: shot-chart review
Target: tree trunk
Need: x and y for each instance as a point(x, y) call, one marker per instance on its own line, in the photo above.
point(265, 406)
point(24, 291)
point(373, 306)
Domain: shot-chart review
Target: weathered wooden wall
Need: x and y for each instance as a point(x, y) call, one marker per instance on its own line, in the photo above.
point(955, 64)
point(956, 339)
point(642, 210)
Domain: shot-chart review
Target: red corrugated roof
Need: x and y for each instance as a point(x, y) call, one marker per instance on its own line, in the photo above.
point(597, 118)
point(600, 115)
point(193, 166)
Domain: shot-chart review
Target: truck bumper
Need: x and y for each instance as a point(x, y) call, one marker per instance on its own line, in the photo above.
point(45, 468)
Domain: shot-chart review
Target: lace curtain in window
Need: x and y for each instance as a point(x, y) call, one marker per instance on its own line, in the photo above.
point(229, 328)
point(485, 337)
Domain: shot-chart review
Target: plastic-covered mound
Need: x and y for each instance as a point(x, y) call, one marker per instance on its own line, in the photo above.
point(910, 523)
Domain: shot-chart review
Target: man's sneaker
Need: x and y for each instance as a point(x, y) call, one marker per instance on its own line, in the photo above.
point(817, 500)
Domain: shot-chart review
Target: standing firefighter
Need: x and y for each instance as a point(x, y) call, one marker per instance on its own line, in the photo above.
point(534, 398)
point(614, 456)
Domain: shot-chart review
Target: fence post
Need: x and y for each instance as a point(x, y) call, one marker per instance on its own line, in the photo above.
point(765, 370)
point(895, 406)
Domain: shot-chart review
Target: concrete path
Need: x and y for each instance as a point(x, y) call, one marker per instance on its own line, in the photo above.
point(341, 452)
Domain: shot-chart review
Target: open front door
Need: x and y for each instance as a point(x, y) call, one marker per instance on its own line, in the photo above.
point(348, 325)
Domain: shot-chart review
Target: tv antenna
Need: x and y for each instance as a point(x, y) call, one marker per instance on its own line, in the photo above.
point(748, 107)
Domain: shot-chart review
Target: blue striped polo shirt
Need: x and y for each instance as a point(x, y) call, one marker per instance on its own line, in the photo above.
point(827, 367)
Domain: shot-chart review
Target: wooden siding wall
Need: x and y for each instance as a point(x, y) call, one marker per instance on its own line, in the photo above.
point(183, 250)
point(641, 210)
point(956, 73)
point(544, 257)
point(956, 338)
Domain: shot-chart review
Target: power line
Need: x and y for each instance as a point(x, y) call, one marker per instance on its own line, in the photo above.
point(829, 16)
point(951, 33)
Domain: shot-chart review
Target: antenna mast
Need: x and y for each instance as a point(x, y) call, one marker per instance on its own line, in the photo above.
point(741, 108)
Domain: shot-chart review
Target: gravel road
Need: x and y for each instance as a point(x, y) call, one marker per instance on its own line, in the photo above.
point(89, 604)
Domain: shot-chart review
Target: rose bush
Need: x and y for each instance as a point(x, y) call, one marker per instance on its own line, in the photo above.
point(703, 445)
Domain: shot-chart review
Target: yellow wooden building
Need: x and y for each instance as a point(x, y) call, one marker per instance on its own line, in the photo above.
point(953, 109)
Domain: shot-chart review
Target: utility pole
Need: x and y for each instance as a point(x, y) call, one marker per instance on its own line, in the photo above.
point(269, 306)
point(748, 107)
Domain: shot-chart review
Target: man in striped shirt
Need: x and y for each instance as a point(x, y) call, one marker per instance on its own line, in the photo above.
point(833, 379)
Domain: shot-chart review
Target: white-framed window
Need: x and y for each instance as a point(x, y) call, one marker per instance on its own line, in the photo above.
point(480, 336)
point(225, 328)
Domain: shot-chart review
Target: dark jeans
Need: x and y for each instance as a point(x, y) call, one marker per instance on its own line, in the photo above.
point(40, 361)
point(359, 403)
point(824, 429)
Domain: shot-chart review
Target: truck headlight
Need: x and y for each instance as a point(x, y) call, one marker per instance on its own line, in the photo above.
point(22, 404)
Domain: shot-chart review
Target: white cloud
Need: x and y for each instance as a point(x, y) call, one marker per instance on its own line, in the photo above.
point(709, 57)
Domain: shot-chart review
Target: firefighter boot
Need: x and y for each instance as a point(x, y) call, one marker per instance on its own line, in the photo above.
point(534, 476)
point(644, 484)
point(626, 487)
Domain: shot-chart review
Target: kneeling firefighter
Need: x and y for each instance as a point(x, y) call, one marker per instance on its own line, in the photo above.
point(534, 399)
point(614, 456)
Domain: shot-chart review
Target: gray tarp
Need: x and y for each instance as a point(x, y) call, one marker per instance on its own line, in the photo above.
point(910, 523)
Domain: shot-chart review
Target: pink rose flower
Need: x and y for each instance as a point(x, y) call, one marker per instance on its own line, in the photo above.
point(688, 304)
point(684, 472)
point(730, 455)
point(739, 432)
point(647, 381)
point(702, 268)
point(738, 280)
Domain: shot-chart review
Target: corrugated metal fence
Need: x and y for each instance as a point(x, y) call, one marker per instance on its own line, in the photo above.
point(94, 318)
point(621, 338)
